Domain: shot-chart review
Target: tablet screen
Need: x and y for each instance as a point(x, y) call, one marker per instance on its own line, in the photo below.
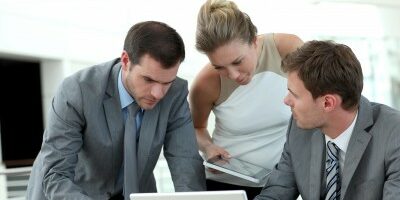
point(238, 166)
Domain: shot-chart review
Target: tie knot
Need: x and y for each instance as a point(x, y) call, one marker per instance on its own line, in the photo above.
point(333, 150)
point(133, 108)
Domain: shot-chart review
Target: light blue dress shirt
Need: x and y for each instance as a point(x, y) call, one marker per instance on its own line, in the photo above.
point(126, 100)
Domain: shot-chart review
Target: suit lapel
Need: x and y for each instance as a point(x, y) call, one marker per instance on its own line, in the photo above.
point(317, 159)
point(113, 114)
point(147, 132)
point(358, 143)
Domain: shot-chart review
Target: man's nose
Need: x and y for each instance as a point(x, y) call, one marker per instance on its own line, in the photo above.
point(286, 100)
point(157, 91)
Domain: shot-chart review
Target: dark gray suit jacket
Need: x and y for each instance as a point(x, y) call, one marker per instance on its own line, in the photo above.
point(82, 149)
point(372, 164)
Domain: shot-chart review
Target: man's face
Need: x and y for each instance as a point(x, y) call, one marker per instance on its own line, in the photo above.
point(308, 112)
point(147, 82)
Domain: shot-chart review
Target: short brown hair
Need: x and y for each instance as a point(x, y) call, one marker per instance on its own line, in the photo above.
point(158, 40)
point(327, 67)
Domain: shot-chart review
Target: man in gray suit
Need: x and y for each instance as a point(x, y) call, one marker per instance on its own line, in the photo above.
point(339, 145)
point(82, 155)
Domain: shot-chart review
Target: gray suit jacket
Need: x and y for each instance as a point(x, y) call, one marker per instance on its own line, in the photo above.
point(372, 164)
point(82, 149)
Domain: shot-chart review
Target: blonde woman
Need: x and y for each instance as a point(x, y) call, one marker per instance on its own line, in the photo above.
point(244, 87)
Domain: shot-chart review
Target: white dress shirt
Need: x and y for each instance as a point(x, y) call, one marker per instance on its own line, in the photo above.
point(342, 141)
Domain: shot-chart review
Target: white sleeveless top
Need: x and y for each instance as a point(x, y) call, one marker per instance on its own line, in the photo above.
point(251, 121)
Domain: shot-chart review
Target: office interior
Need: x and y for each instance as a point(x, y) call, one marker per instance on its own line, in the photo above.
point(43, 41)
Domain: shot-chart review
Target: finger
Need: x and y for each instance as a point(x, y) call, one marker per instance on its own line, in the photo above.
point(226, 155)
point(214, 171)
point(213, 155)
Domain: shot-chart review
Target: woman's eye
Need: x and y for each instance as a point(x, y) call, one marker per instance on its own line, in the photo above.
point(237, 62)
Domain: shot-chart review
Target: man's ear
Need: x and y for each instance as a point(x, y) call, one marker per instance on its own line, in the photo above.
point(124, 60)
point(331, 101)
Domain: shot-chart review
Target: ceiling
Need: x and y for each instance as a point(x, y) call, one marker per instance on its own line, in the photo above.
point(385, 3)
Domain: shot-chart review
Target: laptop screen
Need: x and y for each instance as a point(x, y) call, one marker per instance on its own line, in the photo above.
point(206, 195)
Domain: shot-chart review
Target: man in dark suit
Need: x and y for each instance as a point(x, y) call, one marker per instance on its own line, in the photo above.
point(339, 145)
point(85, 151)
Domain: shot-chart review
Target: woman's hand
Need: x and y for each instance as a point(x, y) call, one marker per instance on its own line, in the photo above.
point(212, 151)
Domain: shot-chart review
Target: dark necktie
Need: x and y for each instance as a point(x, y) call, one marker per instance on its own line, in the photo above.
point(332, 172)
point(130, 154)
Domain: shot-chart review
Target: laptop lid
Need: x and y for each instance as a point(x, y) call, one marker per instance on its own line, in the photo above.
point(206, 195)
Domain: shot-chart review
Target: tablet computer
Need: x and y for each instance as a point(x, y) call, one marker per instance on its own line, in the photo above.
point(239, 168)
point(205, 195)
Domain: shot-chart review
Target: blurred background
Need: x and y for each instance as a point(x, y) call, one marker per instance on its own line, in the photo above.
point(43, 41)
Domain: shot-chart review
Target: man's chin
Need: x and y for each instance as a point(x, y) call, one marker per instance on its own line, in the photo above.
point(303, 126)
point(148, 106)
point(298, 123)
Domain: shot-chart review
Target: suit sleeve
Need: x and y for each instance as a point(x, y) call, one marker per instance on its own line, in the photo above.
point(180, 147)
point(61, 143)
point(281, 183)
point(391, 188)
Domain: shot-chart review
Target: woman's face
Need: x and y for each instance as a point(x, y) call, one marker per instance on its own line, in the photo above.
point(236, 60)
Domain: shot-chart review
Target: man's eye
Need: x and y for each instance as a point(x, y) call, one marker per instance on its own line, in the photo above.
point(166, 84)
point(148, 80)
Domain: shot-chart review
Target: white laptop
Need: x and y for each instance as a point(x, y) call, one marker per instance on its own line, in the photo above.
point(206, 195)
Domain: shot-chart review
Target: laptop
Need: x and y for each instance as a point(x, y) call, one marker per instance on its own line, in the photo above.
point(206, 195)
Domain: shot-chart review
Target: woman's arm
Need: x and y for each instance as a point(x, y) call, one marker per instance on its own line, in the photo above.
point(203, 94)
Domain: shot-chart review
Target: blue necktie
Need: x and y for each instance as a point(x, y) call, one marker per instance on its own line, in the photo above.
point(332, 172)
point(139, 117)
point(130, 155)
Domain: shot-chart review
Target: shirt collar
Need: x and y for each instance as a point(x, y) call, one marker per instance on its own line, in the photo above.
point(342, 141)
point(124, 96)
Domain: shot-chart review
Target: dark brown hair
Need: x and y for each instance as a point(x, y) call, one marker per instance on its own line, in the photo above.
point(327, 67)
point(158, 40)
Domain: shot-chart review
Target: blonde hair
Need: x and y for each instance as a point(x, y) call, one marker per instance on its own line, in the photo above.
point(220, 22)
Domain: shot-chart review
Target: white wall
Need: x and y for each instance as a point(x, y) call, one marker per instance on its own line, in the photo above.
point(67, 35)
point(78, 34)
